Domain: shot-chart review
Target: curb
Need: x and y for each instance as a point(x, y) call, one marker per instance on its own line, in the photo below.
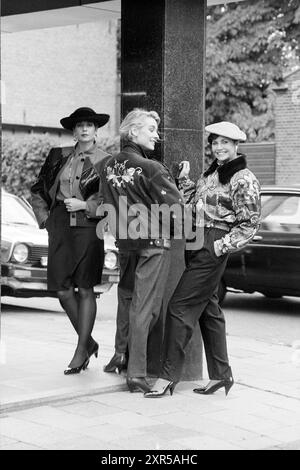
point(35, 402)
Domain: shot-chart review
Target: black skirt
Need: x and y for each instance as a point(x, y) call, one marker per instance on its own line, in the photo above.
point(75, 254)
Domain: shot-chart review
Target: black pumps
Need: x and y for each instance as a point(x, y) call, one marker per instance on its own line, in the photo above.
point(77, 370)
point(138, 384)
point(90, 352)
point(156, 394)
point(94, 350)
point(209, 389)
point(117, 363)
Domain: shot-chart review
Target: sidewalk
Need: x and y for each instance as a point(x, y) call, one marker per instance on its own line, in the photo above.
point(43, 409)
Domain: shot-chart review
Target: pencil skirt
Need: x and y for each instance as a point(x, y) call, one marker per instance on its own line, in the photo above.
point(75, 254)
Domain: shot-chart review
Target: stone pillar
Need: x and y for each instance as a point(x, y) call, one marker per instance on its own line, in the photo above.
point(163, 53)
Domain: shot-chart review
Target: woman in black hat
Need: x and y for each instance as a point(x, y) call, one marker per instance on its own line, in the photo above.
point(64, 200)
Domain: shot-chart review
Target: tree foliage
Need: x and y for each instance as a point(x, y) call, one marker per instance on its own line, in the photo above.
point(249, 44)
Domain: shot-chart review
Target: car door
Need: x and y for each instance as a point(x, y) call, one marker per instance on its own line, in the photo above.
point(272, 262)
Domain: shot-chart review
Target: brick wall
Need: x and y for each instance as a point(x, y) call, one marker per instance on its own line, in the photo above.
point(49, 73)
point(287, 115)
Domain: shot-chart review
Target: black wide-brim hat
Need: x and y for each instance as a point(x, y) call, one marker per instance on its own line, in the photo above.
point(84, 114)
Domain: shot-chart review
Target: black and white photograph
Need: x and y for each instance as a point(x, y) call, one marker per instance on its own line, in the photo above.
point(150, 228)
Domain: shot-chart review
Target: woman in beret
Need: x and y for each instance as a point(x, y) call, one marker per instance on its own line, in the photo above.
point(226, 208)
point(64, 199)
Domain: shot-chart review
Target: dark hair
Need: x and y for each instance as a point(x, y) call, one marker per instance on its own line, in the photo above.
point(212, 137)
point(96, 124)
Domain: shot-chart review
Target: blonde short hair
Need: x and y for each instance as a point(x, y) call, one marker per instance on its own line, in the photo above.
point(135, 118)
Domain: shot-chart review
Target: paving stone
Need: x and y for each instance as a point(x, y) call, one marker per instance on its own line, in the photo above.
point(141, 442)
point(206, 443)
point(109, 433)
point(132, 420)
point(83, 443)
point(137, 403)
point(295, 445)
point(167, 431)
point(60, 419)
point(22, 446)
point(5, 441)
point(259, 443)
point(89, 409)
point(285, 417)
point(33, 433)
point(285, 433)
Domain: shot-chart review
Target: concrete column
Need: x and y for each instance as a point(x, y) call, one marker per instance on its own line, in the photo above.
point(163, 53)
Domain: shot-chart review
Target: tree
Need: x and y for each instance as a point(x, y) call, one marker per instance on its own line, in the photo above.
point(249, 44)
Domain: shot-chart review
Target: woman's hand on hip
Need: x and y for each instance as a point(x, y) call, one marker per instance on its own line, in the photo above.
point(73, 204)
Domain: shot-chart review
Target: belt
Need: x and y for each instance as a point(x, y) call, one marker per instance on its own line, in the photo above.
point(141, 243)
point(58, 202)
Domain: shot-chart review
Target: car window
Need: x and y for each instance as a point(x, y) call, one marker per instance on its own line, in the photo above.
point(281, 212)
point(15, 211)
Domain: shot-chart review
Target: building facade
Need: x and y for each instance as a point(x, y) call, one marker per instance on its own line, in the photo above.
point(287, 131)
point(48, 73)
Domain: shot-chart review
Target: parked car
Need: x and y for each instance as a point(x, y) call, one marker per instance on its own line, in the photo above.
point(24, 253)
point(270, 264)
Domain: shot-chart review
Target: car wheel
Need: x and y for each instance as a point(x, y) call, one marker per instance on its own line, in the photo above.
point(222, 291)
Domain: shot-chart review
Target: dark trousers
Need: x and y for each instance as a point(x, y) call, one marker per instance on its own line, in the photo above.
point(143, 276)
point(128, 262)
point(195, 302)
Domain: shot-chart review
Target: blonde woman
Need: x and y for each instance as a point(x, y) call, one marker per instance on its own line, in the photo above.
point(144, 257)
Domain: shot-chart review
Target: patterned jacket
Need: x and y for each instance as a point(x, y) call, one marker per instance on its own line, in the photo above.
point(85, 187)
point(228, 197)
point(133, 185)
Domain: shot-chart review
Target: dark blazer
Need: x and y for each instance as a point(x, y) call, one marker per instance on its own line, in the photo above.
point(86, 186)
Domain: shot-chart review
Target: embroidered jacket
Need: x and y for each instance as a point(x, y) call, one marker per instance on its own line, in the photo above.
point(226, 196)
point(85, 186)
point(135, 185)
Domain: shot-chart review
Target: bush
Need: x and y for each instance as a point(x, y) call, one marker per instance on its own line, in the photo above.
point(22, 160)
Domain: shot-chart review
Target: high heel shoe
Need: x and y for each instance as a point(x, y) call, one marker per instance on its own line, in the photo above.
point(94, 350)
point(156, 394)
point(209, 389)
point(117, 363)
point(77, 370)
point(138, 384)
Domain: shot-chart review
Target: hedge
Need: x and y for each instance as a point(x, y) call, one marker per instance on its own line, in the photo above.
point(22, 160)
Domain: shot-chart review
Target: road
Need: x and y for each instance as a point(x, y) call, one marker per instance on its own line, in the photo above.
point(270, 320)
point(250, 315)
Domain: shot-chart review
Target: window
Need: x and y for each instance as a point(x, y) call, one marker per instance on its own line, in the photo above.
point(15, 212)
point(281, 212)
